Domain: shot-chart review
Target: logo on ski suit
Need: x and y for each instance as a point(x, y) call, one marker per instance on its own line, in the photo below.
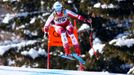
point(60, 19)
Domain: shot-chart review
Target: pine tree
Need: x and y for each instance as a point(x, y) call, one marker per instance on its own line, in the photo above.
point(111, 59)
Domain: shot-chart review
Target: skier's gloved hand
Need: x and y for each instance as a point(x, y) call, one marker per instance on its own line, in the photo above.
point(45, 29)
point(88, 21)
point(45, 35)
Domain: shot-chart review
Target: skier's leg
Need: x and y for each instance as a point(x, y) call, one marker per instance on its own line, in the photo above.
point(65, 43)
point(60, 30)
point(70, 30)
point(75, 43)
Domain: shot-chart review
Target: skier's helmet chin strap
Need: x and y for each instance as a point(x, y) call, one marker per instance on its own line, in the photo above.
point(57, 7)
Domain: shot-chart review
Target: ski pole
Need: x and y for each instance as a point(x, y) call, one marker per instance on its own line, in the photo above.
point(91, 43)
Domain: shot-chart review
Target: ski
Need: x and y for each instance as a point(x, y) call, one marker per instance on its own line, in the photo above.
point(72, 56)
point(67, 57)
point(78, 58)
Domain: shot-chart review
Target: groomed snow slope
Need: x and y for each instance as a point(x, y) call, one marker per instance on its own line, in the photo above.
point(6, 70)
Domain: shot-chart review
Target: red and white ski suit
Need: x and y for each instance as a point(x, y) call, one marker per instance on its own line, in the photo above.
point(63, 25)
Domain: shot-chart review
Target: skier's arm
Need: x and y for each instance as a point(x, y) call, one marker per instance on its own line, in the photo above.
point(47, 24)
point(79, 17)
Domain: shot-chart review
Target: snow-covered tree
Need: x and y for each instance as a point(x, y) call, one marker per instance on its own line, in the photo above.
point(27, 17)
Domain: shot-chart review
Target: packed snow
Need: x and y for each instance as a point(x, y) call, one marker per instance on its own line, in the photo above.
point(4, 70)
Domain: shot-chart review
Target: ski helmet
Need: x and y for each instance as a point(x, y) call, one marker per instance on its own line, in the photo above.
point(57, 6)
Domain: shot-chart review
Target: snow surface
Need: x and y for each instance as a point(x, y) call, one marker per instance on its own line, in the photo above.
point(131, 70)
point(34, 53)
point(97, 45)
point(97, 5)
point(7, 18)
point(5, 70)
point(83, 27)
point(104, 6)
point(122, 40)
point(32, 20)
point(4, 48)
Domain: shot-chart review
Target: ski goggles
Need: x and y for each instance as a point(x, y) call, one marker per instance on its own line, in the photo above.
point(58, 9)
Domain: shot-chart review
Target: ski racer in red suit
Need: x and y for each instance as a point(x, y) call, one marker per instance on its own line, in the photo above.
point(62, 25)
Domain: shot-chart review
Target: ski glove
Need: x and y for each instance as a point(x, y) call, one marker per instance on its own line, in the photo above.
point(45, 29)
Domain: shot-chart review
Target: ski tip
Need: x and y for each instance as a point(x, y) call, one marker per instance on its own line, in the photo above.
point(78, 58)
point(67, 57)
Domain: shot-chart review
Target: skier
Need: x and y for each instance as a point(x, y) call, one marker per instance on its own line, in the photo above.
point(63, 26)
